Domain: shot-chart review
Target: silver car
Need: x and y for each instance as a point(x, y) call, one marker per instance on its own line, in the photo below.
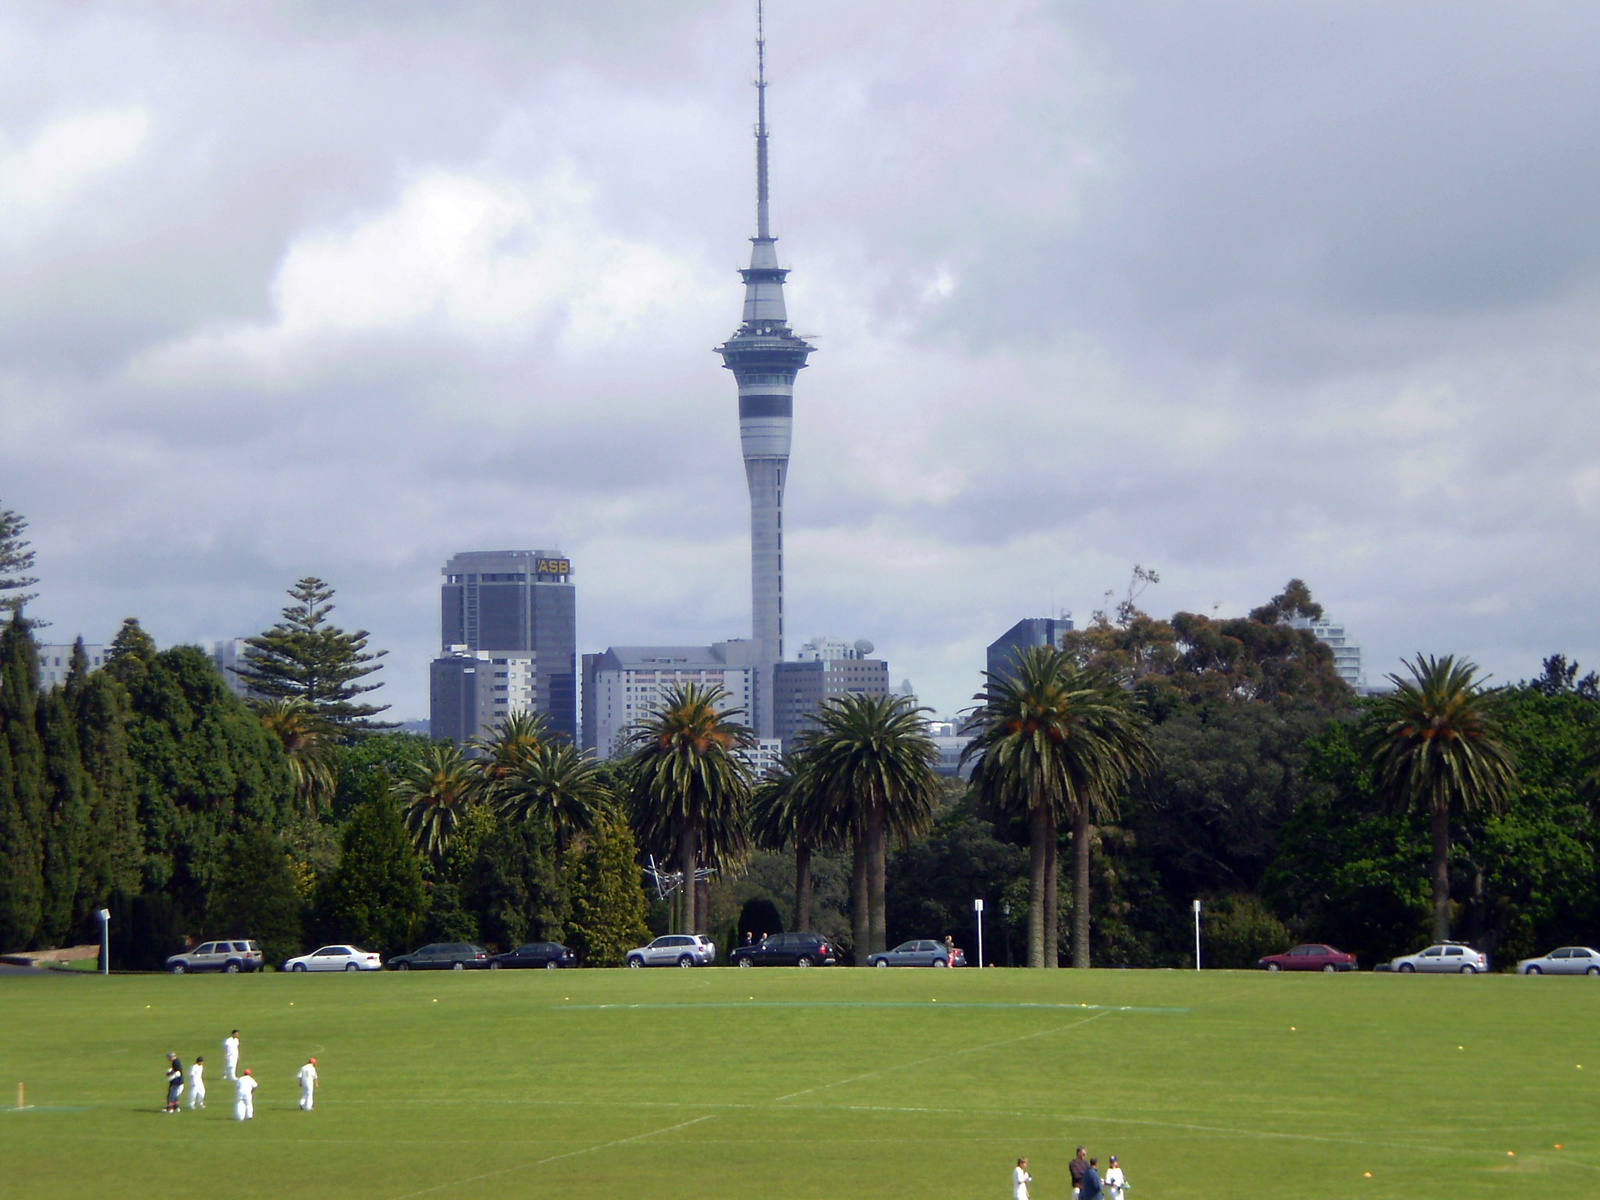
point(1449, 958)
point(675, 950)
point(230, 957)
point(335, 958)
point(916, 954)
point(1569, 960)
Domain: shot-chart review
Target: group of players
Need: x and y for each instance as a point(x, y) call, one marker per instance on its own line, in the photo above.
point(1087, 1183)
point(244, 1083)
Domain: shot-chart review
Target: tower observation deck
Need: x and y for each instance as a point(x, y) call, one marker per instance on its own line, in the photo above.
point(765, 356)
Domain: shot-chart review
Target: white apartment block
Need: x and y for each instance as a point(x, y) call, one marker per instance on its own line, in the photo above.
point(55, 663)
point(625, 684)
point(1346, 652)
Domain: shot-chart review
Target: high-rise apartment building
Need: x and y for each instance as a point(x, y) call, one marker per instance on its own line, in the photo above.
point(514, 612)
point(827, 669)
point(1024, 635)
point(1346, 652)
point(765, 356)
point(622, 686)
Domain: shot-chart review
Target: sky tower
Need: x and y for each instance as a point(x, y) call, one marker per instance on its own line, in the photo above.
point(765, 356)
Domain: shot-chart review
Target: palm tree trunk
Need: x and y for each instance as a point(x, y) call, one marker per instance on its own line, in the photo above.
point(1038, 831)
point(1052, 893)
point(1441, 874)
point(802, 888)
point(702, 906)
point(877, 869)
point(688, 853)
point(858, 899)
point(1080, 886)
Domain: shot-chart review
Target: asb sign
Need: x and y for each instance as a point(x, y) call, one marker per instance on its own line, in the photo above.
point(553, 566)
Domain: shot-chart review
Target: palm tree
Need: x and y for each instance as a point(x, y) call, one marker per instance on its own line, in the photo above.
point(1053, 740)
point(560, 785)
point(307, 742)
point(871, 760)
point(509, 744)
point(691, 783)
point(1436, 745)
point(788, 808)
point(434, 793)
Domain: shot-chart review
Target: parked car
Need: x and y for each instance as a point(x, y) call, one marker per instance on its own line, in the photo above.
point(549, 955)
point(916, 954)
point(334, 958)
point(1309, 958)
point(1453, 958)
point(786, 950)
point(675, 949)
point(442, 956)
point(232, 956)
point(1569, 960)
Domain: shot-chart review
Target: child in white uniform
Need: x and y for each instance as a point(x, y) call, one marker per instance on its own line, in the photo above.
point(197, 1083)
point(308, 1084)
point(1116, 1183)
point(1020, 1179)
point(244, 1106)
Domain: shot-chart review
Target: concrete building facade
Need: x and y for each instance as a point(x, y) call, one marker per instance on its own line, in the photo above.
point(625, 683)
point(1346, 652)
point(470, 691)
point(825, 669)
point(516, 610)
point(55, 663)
point(1025, 634)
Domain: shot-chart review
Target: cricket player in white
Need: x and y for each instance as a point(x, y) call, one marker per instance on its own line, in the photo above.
point(1020, 1179)
point(308, 1084)
point(1116, 1183)
point(197, 1083)
point(230, 1055)
point(244, 1106)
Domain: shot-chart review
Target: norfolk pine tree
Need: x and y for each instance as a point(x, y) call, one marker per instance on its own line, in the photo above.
point(303, 657)
point(21, 788)
point(16, 560)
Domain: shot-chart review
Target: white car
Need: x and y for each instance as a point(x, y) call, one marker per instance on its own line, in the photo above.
point(1569, 960)
point(335, 958)
point(1451, 958)
point(675, 950)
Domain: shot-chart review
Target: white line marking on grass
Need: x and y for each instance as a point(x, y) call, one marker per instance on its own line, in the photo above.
point(944, 1056)
point(1020, 1004)
point(638, 1137)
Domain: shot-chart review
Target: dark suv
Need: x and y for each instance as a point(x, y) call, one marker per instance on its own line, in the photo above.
point(442, 956)
point(786, 950)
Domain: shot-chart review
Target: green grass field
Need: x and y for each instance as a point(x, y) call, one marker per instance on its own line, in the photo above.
point(713, 1084)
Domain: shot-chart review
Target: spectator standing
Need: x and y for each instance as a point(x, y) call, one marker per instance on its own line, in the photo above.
point(174, 1082)
point(197, 1082)
point(244, 1104)
point(308, 1084)
point(1020, 1179)
point(230, 1055)
point(949, 951)
point(1091, 1189)
point(1078, 1165)
point(1115, 1182)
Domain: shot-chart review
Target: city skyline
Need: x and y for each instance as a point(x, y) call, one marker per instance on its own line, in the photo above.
point(1240, 295)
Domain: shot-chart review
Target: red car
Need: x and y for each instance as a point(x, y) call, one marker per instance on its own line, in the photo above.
point(1309, 958)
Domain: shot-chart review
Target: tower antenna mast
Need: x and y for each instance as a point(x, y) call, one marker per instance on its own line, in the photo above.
point(762, 224)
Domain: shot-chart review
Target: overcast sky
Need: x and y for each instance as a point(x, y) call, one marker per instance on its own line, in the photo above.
point(1238, 292)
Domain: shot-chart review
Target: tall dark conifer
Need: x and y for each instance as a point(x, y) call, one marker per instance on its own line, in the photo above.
point(21, 788)
point(114, 852)
point(66, 833)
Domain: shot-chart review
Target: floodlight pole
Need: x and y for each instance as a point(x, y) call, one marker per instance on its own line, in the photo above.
point(105, 940)
point(977, 907)
point(1197, 935)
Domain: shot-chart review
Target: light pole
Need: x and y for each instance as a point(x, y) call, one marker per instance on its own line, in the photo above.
point(977, 907)
point(1005, 911)
point(1197, 935)
point(105, 940)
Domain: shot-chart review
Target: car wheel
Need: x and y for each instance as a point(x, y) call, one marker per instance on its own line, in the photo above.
point(232, 968)
point(494, 966)
point(744, 962)
point(551, 965)
point(882, 964)
point(351, 967)
point(939, 962)
point(1469, 969)
point(1274, 967)
point(1328, 969)
point(636, 963)
point(1537, 971)
point(178, 968)
point(1593, 971)
point(458, 966)
point(686, 961)
point(401, 966)
point(298, 967)
point(1406, 968)
point(805, 961)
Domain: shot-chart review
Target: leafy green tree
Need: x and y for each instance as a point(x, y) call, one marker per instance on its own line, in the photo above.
point(22, 784)
point(933, 882)
point(435, 794)
point(304, 657)
point(114, 852)
point(872, 758)
point(375, 896)
point(65, 847)
point(559, 786)
point(367, 769)
point(608, 903)
point(16, 560)
point(1436, 747)
point(1237, 929)
point(787, 808)
point(512, 882)
point(307, 743)
point(256, 894)
point(507, 747)
point(690, 780)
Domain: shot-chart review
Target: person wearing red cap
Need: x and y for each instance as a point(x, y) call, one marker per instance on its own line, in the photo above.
point(244, 1104)
point(308, 1084)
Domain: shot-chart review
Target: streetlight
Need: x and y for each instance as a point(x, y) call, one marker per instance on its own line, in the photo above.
point(105, 940)
point(1005, 911)
point(977, 907)
point(1197, 935)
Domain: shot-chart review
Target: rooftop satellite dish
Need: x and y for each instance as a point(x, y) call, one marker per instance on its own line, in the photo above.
point(863, 647)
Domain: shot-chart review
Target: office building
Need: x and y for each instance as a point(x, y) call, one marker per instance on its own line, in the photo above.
point(1024, 635)
point(516, 611)
point(826, 669)
point(1346, 653)
point(950, 742)
point(622, 686)
point(229, 656)
point(765, 356)
point(55, 663)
